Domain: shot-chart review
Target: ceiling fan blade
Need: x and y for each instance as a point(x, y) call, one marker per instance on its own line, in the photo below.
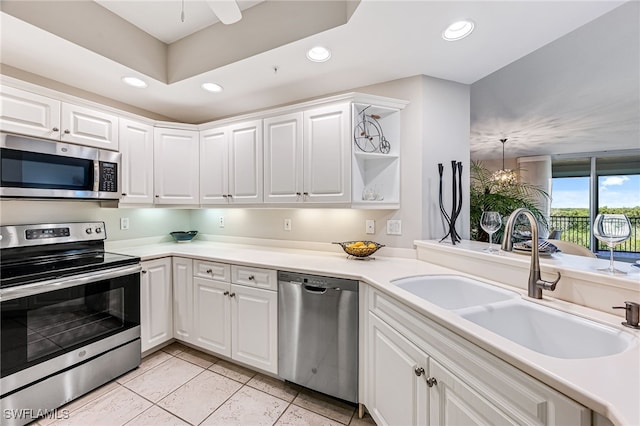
point(227, 11)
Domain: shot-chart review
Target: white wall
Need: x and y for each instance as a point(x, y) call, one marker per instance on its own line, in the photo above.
point(142, 222)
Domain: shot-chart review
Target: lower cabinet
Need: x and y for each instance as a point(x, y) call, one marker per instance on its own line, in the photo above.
point(397, 396)
point(183, 299)
point(156, 319)
point(239, 321)
point(417, 373)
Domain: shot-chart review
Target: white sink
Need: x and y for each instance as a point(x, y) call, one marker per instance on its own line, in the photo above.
point(549, 331)
point(453, 291)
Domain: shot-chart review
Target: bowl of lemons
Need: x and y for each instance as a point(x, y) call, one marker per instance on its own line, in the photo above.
point(360, 249)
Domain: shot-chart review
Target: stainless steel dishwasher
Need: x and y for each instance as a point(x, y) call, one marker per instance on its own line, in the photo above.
point(318, 333)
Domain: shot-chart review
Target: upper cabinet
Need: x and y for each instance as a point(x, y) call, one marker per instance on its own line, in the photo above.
point(231, 164)
point(136, 146)
point(40, 116)
point(176, 171)
point(308, 156)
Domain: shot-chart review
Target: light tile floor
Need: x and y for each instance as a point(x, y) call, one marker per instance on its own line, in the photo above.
point(179, 385)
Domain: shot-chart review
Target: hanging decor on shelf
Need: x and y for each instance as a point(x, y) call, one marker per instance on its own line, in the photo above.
point(505, 177)
point(456, 200)
point(368, 134)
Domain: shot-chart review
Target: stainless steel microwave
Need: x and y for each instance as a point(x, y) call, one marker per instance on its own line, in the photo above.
point(40, 168)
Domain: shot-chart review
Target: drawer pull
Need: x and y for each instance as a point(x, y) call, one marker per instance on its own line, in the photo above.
point(232, 295)
point(209, 271)
point(226, 293)
point(251, 278)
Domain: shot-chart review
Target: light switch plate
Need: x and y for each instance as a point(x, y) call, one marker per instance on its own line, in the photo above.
point(394, 227)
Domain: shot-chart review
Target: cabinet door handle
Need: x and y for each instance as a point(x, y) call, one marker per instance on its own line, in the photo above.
point(144, 271)
point(124, 194)
point(229, 195)
point(298, 194)
point(224, 195)
point(431, 382)
point(226, 293)
point(419, 371)
point(251, 278)
point(157, 196)
point(55, 129)
point(232, 295)
point(209, 271)
point(67, 131)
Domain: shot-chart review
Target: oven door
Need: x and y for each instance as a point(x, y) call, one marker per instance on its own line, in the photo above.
point(49, 326)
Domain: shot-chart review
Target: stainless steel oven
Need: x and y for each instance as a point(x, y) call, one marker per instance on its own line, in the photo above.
point(39, 168)
point(70, 316)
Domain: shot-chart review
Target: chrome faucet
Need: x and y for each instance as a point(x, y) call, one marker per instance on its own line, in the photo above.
point(536, 283)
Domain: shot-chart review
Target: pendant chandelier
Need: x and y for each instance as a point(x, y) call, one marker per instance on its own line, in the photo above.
point(505, 177)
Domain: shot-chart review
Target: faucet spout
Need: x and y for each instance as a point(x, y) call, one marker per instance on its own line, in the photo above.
point(536, 283)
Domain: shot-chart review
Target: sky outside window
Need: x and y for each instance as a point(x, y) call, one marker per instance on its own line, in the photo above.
point(613, 191)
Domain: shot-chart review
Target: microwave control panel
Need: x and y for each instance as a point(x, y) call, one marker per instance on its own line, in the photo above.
point(108, 177)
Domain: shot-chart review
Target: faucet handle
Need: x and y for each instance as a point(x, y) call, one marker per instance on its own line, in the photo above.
point(548, 285)
point(632, 315)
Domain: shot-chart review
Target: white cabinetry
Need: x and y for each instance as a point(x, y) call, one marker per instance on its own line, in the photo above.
point(176, 171)
point(35, 115)
point(239, 319)
point(418, 372)
point(307, 156)
point(183, 299)
point(136, 146)
point(283, 159)
point(397, 396)
point(28, 113)
point(327, 154)
point(231, 164)
point(156, 320)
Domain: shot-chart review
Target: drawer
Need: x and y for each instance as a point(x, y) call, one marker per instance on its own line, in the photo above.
point(254, 277)
point(212, 270)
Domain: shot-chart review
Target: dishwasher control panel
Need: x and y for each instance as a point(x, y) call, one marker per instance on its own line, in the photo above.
point(317, 280)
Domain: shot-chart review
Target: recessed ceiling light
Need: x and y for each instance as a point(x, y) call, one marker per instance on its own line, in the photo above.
point(212, 87)
point(319, 54)
point(458, 30)
point(134, 82)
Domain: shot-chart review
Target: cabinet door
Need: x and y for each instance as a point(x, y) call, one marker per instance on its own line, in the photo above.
point(254, 327)
point(327, 154)
point(283, 158)
point(29, 114)
point(211, 313)
point(183, 298)
point(245, 163)
point(176, 166)
point(156, 316)
point(396, 394)
point(86, 126)
point(214, 166)
point(136, 146)
point(453, 402)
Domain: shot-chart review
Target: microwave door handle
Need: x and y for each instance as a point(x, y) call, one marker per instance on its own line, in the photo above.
point(96, 175)
point(66, 282)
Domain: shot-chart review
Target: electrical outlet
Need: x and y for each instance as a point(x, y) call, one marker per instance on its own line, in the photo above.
point(370, 226)
point(287, 224)
point(394, 227)
point(221, 222)
point(124, 223)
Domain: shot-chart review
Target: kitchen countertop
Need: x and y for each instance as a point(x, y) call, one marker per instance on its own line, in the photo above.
point(608, 385)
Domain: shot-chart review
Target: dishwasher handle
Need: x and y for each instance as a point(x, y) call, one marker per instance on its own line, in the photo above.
point(313, 289)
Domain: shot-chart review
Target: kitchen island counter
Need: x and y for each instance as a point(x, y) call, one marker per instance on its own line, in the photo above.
point(608, 385)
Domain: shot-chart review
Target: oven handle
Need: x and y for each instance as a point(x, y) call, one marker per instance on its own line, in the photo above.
point(61, 283)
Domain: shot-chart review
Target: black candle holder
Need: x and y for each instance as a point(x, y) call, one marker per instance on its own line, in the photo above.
point(456, 200)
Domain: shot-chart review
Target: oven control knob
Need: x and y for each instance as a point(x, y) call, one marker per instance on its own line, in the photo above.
point(89, 231)
point(98, 230)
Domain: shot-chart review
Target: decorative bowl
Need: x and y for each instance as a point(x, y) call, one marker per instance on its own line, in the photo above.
point(183, 236)
point(360, 249)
